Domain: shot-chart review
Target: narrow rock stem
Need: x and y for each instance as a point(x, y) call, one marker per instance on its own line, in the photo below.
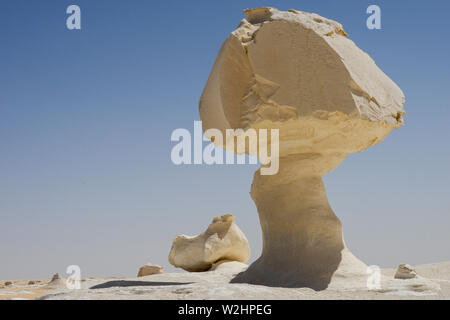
point(302, 237)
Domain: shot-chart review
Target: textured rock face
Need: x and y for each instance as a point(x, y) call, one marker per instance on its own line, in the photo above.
point(405, 271)
point(223, 240)
point(56, 282)
point(150, 269)
point(299, 73)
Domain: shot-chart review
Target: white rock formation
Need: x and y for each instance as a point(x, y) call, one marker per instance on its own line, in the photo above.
point(299, 73)
point(56, 282)
point(150, 269)
point(405, 271)
point(223, 240)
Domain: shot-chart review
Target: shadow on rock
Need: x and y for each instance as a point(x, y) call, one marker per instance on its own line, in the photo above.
point(127, 283)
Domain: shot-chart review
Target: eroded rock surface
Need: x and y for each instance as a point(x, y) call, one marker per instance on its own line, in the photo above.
point(299, 72)
point(405, 271)
point(223, 240)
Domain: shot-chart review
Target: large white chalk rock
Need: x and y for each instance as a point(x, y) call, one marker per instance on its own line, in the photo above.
point(299, 73)
point(223, 240)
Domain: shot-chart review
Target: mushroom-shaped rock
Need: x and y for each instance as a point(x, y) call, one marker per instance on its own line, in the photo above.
point(150, 269)
point(223, 240)
point(405, 271)
point(299, 73)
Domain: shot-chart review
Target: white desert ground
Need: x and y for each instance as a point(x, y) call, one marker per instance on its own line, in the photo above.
point(433, 282)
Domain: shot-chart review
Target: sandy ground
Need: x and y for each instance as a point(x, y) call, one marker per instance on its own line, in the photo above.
point(21, 289)
point(433, 283)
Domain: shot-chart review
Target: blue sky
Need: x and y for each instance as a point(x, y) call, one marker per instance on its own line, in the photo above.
point(86, 118)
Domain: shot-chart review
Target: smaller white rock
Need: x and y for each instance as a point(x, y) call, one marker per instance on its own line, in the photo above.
point(405, 271)
point(56, 282)
point(223, 240)
point(150, 269)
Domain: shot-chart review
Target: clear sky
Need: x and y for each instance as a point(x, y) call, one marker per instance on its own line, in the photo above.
point(86, 118)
